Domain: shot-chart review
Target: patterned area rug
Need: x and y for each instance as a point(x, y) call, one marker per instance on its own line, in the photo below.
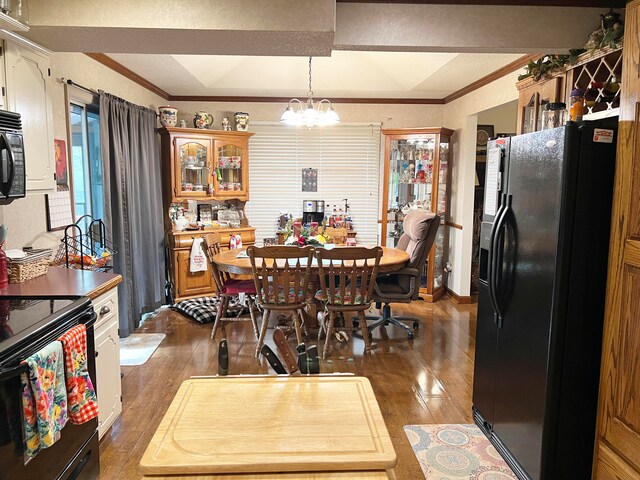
point(452, 452)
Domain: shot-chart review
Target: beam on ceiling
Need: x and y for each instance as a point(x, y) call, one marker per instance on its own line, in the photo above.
point(463, 28)
point(531, 3)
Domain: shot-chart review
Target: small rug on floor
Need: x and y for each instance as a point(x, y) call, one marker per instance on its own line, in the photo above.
point(456, 452)
point(137, 348)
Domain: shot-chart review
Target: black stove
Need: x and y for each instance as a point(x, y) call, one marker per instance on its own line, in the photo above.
point(27, 324)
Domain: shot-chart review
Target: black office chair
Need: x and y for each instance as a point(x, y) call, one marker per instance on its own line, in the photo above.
point(403, 285)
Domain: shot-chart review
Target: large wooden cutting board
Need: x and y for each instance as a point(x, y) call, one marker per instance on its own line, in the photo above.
point(270, 424)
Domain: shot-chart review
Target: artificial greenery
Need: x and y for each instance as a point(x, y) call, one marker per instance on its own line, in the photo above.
point(550, 63)
point(600, 38)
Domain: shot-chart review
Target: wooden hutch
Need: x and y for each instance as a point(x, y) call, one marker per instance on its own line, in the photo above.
point(207, 166)
point(602, 67)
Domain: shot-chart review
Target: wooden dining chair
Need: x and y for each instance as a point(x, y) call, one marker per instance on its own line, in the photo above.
point(281, 275)
point(347, 279)
point(228, 288)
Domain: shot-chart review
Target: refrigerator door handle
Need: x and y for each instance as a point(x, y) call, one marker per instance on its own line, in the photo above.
point(497, 258)
point(491, 265)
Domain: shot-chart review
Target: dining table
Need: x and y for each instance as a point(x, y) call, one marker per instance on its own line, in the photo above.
point(237, 262)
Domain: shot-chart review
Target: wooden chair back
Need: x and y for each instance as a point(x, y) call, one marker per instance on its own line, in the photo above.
point(212, 247)
point(281, 275)
point(338, 235)
point(348, 275)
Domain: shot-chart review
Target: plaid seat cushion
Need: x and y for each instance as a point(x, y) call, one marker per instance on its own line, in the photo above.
point(338, 298)
point(202, 310)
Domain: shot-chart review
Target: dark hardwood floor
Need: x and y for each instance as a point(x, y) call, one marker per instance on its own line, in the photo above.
point(420, 381)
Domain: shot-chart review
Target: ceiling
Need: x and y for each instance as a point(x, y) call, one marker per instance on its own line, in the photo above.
point(412, 50)
point(345, 74)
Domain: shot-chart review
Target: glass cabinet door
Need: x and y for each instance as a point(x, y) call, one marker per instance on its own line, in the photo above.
point(411, 170)
point(231, 174)
point(440, 240)
point(193, 169)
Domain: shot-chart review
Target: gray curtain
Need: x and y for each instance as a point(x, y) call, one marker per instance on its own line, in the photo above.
point(133, 205)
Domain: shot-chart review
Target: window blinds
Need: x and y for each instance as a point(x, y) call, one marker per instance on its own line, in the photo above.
point(347, 158)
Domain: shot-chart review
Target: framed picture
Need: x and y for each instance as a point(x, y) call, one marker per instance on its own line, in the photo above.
point(483, 134)
point(62, 171)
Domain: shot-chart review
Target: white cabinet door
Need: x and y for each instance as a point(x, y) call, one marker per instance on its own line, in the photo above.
point(108, 375)
point(27, 79)
point(107, 360)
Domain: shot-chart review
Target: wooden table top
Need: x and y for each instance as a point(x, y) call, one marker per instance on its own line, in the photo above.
point(392, 259)
point(61, 282)
point(262, 424)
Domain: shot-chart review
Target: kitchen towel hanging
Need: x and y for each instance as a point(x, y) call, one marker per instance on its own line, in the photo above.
point(197, 260)
point(81, 395)
point(44, 399)
point(235, 241)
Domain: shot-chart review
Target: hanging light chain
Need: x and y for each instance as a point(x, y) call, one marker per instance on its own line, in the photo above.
point(310, 92)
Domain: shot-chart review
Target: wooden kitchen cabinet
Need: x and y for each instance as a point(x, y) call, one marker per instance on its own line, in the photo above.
point(187, 284)
point(602, 67)
point(28, 79)
point(205, 164)
point(107, 342)
point(617, 452)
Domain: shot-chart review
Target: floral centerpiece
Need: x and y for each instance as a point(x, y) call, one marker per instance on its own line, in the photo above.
point(305, 235)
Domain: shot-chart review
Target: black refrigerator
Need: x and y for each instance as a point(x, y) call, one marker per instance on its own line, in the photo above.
point(543, 266)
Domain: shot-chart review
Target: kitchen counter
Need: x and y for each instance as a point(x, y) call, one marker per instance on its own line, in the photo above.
point(60, 282)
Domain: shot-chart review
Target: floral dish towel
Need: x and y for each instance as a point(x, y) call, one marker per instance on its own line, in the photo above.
point(83, 405)
point(44, 399)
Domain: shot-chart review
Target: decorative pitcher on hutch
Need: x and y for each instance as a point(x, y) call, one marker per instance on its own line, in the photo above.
point(202, 119)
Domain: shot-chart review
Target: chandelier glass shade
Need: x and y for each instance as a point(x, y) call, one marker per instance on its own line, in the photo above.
point(308, 112)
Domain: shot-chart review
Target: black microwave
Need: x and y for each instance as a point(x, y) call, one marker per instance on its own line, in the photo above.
point(12, 167)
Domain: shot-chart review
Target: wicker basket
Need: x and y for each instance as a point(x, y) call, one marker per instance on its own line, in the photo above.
point(26, 269)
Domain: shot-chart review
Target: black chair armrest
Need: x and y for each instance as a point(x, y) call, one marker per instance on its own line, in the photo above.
point(414, 272)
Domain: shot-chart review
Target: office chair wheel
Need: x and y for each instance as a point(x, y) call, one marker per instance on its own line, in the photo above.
point(410, 336)
point(416, 325)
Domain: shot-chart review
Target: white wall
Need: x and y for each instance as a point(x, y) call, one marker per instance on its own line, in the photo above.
point(461, 116)
point(504, 118)
point(26, 218)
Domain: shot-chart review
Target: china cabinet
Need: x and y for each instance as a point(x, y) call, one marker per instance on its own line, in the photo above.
point(416, 175)
point(205, 164)
point(597, 74)
point(208, 167)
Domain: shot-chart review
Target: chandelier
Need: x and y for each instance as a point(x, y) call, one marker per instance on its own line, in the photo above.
point(309, 113)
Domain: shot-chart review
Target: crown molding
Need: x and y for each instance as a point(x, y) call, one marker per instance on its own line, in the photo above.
point(131, 75)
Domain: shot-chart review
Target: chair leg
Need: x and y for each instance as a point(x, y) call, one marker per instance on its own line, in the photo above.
point(364, 330)
point(216, 323)
point(252, 314)
point(329, 332)
point(263, 331)
point(297, 324)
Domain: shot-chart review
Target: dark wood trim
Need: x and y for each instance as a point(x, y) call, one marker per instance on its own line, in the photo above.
point(453, 225)
point(399, 101)
point(109, 62)
point(459, 299)
point(505, 3)
point(501, 72)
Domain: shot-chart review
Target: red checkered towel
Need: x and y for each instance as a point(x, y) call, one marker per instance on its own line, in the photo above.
point(82, 401)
